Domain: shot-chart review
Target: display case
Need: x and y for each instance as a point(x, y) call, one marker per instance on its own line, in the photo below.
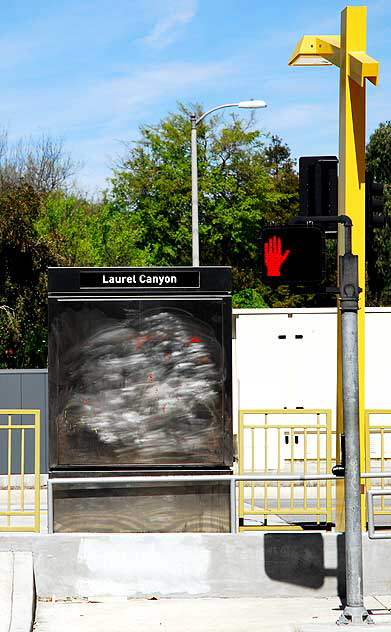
point(140, 379)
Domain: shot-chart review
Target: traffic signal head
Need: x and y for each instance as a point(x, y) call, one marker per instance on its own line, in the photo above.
point(318, 188)
point(292, 254)
point(374, 203)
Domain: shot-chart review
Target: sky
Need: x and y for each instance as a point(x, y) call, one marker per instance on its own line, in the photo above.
point(90, 72)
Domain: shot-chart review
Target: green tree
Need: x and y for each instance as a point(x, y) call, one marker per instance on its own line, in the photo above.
point(29, 171)
point(244, 180)
point(24, 258)
point(378, 163)
point(89, 234)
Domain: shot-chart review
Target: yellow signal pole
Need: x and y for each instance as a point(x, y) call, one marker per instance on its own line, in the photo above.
point(348, 52)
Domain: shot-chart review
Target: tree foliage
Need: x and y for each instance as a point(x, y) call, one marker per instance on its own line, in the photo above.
point(245, 180)
point(28, 172)
point(42, 163)
point(378, 163)
point(24, 259)
point(89, 234)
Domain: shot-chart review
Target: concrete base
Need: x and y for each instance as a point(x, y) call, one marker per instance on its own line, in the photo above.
point(17, 593)
point(198, 565)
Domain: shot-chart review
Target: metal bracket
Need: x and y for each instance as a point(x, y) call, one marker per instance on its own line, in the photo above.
point(326, 219)
point(339, 468)
point(332, 290)
point(357, 615)
point(348, 265)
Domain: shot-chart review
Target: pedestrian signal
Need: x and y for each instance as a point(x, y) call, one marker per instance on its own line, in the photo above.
point(292, 254)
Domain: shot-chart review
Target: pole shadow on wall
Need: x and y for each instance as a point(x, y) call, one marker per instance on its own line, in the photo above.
point(298, 558)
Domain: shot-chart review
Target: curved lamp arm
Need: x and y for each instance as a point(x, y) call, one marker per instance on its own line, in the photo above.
point(219, 107)
point(251, 104)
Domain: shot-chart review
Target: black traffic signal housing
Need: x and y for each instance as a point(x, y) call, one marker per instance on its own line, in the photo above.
point(292, 255)
point(374, 204)
point(318, 188)
point(374, 218)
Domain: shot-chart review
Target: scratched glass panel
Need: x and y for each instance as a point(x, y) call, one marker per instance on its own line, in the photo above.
point(137, 382)
point(163, 507)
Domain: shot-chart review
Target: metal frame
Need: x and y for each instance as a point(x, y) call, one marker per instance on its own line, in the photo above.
point(233, 479)
point(381, 430)
point(319, 430)
point(37, 440)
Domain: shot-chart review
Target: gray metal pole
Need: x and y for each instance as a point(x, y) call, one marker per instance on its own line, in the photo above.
point(233, 504)
point(353, 533)
point(194, 193)
point(50, 506)
point(354, 612)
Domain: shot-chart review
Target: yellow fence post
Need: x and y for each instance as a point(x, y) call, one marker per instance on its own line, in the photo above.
point(37, 490)
point(11, 428)
point(381, 430)
point(240, 468)
point(271, 505)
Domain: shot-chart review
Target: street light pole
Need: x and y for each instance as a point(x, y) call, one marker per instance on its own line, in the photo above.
point(251, 104)
point(194, 193)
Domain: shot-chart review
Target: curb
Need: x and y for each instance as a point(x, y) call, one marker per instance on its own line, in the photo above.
point(6, 581)
point(332, 627)
point(22, 597)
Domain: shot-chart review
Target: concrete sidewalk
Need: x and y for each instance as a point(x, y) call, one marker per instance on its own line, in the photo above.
point(202, 615)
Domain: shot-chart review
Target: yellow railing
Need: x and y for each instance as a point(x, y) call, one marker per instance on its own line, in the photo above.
point(15, 511)
point(269, 445)
point(378, 456)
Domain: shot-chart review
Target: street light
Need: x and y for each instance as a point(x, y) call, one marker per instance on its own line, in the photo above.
point(251, 104)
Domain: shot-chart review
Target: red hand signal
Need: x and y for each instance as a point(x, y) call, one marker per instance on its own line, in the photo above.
point(274, 257)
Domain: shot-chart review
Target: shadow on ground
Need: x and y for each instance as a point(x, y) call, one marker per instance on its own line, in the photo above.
point(298, 558)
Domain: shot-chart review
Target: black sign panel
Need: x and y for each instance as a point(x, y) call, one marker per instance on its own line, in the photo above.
point(114, 279)
point(292, 254)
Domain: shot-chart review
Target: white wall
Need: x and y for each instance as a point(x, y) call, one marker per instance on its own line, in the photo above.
point(289, 372)
point(287, 358)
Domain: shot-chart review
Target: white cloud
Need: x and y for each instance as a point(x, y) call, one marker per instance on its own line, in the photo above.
point(180, 12)
point(302, 116)
point(84, 105)
point(106, 102)
point(93, 117)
